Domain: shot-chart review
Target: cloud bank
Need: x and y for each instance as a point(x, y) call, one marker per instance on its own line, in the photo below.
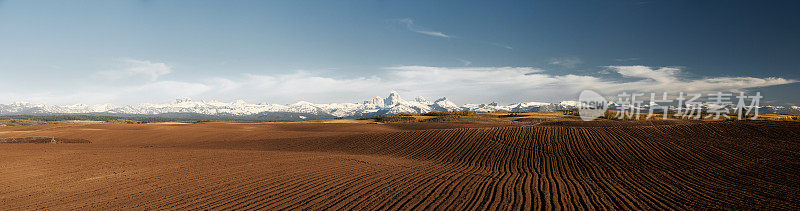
point(137, 68)
point(461, 84)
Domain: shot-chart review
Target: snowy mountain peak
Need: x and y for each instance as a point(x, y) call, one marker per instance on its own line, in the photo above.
point(443, 104)
point(393, 99)
point(422, 100)
point(183, 100)
point(21, 103)
point(302, 103)
point(569, 103)
point(377, 100)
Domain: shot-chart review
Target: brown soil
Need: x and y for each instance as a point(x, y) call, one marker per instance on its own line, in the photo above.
point(656, 165)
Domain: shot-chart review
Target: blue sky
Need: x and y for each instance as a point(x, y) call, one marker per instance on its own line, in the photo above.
point(130, 52)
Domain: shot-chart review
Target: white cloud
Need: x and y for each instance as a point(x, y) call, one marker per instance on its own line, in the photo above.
point(170, 88)
point(137, 68)
point(668, 79)
point(409, 24)
point(502, 46)
point(433, 33)
point(511, 84)
point(568, 62)
point(149, 92)
point(662, 74)
point(461, 84)
point(465, 62)
point(303, 82)
point(627, 59)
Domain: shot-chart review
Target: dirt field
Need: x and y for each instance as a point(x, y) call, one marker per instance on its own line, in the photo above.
point(346, 165)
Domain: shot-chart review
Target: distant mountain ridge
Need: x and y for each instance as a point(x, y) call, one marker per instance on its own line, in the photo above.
point(393, 104)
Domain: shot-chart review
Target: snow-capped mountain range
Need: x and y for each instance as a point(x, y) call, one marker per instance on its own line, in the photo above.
point(393, 104)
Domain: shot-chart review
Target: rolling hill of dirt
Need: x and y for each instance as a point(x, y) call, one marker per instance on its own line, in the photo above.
point(578, 165)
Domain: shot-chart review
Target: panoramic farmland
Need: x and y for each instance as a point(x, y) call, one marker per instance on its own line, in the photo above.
point(356, 164)
point(399, 105)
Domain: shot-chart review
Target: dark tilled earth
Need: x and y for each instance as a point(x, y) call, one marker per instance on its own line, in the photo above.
point(574, 165)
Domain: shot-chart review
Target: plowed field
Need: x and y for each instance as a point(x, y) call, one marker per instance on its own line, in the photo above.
point(575, 165)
